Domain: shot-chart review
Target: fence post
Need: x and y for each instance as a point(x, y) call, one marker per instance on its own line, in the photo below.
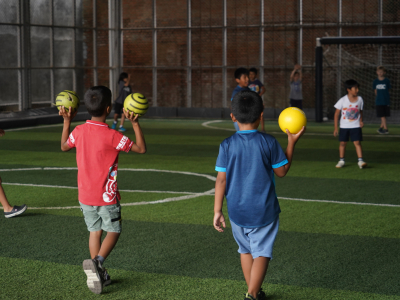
point(318, 82)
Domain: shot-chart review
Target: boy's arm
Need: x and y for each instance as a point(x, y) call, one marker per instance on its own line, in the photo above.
point(2, 132)
point(140, 145)
point(220, 185)
point(300, 74)
point(128, 81)
point(361, 119)
point(292, 140)
point(336, 120)
point(262, 91)
point(68, 116)
point(292, 74)
point(375, 92)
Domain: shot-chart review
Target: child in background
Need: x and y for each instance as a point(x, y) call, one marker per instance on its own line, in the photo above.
point(296, 95)
point(349, 109)
point(382, 101)
point(97, 153)
point(124, 90)
point(255, 85)
point(9, 211)
point(246, 164)
point(242, 79)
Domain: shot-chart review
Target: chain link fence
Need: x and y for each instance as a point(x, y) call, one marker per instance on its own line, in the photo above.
point(180, 53)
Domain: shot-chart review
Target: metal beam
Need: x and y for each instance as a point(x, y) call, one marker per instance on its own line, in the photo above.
point(189, 55)
point(95, 75)
point(261, 68)
point(154, 54)
point(25, 56)
point(224, 50)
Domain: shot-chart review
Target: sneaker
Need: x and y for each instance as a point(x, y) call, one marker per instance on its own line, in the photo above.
point(106, 277)
point(249, 297)
point(16, 210)
point(261, 295)
point(95, 273)
point(381, 131)
point(340, 164)
point(122, 129)
point(385, 131)
point(362, 164)
point(114, 125)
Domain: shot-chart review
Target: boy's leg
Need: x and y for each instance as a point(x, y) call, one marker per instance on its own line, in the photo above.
point(342, 149)
point(115, 117)
point(258, 271)
point(95, 242)
point(246, 260)
point(122, 119)
point(357, 144)
point(108, 244)
point(3, 200)
point(383, 123)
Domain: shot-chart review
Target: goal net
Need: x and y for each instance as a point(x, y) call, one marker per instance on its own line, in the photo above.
point(357, 58)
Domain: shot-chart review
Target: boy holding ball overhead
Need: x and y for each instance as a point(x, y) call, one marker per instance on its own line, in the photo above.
point(246, 164)
point(98, 148)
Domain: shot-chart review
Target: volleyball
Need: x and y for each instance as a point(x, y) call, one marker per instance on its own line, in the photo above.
point(136, 103)
point(293, 119)
point(68, 99)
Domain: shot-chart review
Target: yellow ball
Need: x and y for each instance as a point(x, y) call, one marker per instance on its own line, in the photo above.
point(136, 103)
point(293, 119)
point(67, 99)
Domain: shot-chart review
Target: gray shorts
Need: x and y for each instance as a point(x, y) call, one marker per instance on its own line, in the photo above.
point(107, 218)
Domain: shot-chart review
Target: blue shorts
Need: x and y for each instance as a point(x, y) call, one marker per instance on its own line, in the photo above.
point(354, 133)
point(256, 241)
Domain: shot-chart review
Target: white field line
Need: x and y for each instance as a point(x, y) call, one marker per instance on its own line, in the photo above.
point(44, 126)
point(339, 202)
point(206, 124)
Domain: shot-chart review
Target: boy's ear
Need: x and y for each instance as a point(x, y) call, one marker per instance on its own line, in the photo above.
point(108, 110)
point(233, 117)
point(237, 80)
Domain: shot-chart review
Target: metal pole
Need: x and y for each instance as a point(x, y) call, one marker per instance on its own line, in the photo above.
point(261, 71)
point(189, 55)
point(25, 101)
point(154, 54)
point(300, 53)
point(74, 80)
point(380, 31)
point(95, 77)
point(318, 82)
point(224, 48)
point(121, 38)
point(339, 56)
point(52, 98)
point(111, 52)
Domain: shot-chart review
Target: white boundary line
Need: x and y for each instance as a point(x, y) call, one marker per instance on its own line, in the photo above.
point(207, 124)
point(188, 195)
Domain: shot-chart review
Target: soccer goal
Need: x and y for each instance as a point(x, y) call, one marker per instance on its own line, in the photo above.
point(338, 59)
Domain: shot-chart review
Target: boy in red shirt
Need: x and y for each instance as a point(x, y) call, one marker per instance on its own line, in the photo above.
point(97, 148)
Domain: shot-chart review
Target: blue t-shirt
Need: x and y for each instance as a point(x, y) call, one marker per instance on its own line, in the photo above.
point(237, 90)
point(382, 91)
point(248, 157)
point(255, 86)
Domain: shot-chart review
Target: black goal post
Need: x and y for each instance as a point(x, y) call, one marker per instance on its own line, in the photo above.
point(319, 60)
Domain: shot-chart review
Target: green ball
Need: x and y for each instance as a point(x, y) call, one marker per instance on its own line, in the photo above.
point(136, 103)
point(68, 99)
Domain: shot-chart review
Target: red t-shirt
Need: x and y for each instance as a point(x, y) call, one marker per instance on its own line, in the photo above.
point(97, 149)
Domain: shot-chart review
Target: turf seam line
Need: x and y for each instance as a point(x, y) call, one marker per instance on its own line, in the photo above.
point(206, 124)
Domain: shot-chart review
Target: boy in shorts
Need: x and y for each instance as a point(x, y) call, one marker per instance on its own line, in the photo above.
point(97, 148)
point(256, 85)
point(246, 165)
point(9, 211)
point(349, 108)
point(382, 100)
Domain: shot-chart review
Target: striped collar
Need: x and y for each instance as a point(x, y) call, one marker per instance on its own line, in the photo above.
point(247, 131)
point(96, 123)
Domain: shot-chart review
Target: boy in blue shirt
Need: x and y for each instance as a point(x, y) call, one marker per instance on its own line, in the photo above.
point(256, 85)
point(242, 79)
point(246, 165)
point(382, 101)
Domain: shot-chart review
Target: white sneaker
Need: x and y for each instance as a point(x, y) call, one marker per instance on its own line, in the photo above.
point(362, 164)
point(340, 164)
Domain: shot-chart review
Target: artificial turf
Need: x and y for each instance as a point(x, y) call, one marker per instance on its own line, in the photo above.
point(171, 250)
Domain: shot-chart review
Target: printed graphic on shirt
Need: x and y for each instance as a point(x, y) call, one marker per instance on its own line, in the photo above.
point(381, 86)
point(71, 141)
point(111, 187)
point(122, 143)
point(254, 87)
point(351, 113)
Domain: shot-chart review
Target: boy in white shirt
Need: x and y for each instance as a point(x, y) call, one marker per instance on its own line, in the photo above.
point(349, 108)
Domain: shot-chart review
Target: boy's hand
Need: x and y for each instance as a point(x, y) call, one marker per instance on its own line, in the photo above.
point(335, 132)
point(2, 132)
point(131, 117)
point(293, 138)
point(361, 124)
point(218, 220)
point(67, 115)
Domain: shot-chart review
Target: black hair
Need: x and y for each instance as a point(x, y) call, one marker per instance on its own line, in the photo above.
point(97, 99)
point(298, 73)
point(253, 70)
point(122, 76)
point(348, 84)
point(241, 71)
point(247, 107)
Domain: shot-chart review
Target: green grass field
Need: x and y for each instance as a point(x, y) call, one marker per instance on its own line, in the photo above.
point(332, 243)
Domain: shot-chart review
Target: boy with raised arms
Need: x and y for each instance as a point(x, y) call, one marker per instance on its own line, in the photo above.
point(246, 164)
point(97, 149)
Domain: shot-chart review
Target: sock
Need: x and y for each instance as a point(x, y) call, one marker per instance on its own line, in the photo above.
point(342, 159)
point(360, 159)
point(101, 259)
point(115, 122)
point(120, 126)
